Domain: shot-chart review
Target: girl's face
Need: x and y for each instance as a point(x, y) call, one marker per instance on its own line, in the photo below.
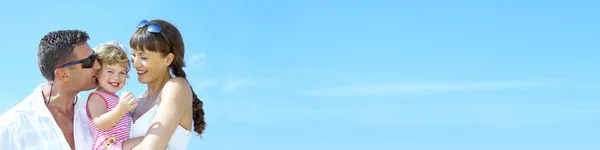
point(149, 65)
point(112, 77)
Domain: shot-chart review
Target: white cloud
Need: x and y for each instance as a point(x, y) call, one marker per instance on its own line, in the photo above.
point(204, 84)
point(409, 115)
point(395, 115)
point(387, 89)
point(260, 111)
point(232, 85)
point(499, 115)
point(196, 60)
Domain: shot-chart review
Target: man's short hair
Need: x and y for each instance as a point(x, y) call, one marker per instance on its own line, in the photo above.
point(56, 48)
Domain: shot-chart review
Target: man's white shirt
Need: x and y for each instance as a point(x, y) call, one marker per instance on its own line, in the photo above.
point(30, 126)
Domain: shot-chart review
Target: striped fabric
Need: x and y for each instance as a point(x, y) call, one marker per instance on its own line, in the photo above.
point(113, 138)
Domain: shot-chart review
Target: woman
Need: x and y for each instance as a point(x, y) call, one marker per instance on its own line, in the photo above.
point(168, 109)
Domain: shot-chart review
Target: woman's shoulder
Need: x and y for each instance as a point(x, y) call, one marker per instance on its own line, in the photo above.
point(177, 86)
point(177, 83)
point(176, 89)
point(178, 80)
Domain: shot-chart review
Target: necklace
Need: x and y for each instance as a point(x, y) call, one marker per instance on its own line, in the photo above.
point(47, 102)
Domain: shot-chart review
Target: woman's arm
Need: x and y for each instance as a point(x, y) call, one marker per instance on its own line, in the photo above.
point(103, 120)
point(130, 143)
point(175, 97)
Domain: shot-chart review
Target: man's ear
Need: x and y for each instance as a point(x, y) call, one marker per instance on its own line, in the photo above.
point(61, 74)
point(169, 60)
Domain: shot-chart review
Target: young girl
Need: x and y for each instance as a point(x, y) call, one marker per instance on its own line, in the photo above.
point(109, 116)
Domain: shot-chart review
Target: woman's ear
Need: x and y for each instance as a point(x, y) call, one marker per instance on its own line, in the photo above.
point(170, 58)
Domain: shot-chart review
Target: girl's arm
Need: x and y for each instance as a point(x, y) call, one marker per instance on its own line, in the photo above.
point(175, 97)
point(139, 98)
point(96, 106)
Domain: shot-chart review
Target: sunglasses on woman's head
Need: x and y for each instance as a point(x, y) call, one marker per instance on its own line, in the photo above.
point(85, 63)
point(154, 28)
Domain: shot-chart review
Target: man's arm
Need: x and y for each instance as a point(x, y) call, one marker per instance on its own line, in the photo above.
point(7, 138)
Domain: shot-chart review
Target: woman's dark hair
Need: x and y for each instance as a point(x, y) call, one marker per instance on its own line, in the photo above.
point(159, 42)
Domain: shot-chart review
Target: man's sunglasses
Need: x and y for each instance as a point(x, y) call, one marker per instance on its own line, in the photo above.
point(154, 28)
point(85, 63)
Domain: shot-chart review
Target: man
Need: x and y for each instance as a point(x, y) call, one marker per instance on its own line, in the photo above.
point(53, 117)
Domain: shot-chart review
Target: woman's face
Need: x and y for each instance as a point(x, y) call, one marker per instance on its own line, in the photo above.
point(148, 65)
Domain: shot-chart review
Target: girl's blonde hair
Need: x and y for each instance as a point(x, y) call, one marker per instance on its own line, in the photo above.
point(112, 53)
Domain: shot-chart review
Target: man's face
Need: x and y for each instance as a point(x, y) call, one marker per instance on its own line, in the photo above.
point(83, 79)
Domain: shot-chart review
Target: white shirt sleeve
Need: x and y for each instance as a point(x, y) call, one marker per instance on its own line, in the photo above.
point(7, 138)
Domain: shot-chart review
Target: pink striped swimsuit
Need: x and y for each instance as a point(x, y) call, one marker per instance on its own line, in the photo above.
point(114, 137)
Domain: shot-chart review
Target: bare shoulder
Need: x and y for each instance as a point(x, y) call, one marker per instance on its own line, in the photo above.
point(95, 100)
point(95, 97)
point(177, 84)
point(176, 89)
point(178, 80)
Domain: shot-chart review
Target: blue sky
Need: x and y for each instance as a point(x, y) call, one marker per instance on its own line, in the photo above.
point(298, 75)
